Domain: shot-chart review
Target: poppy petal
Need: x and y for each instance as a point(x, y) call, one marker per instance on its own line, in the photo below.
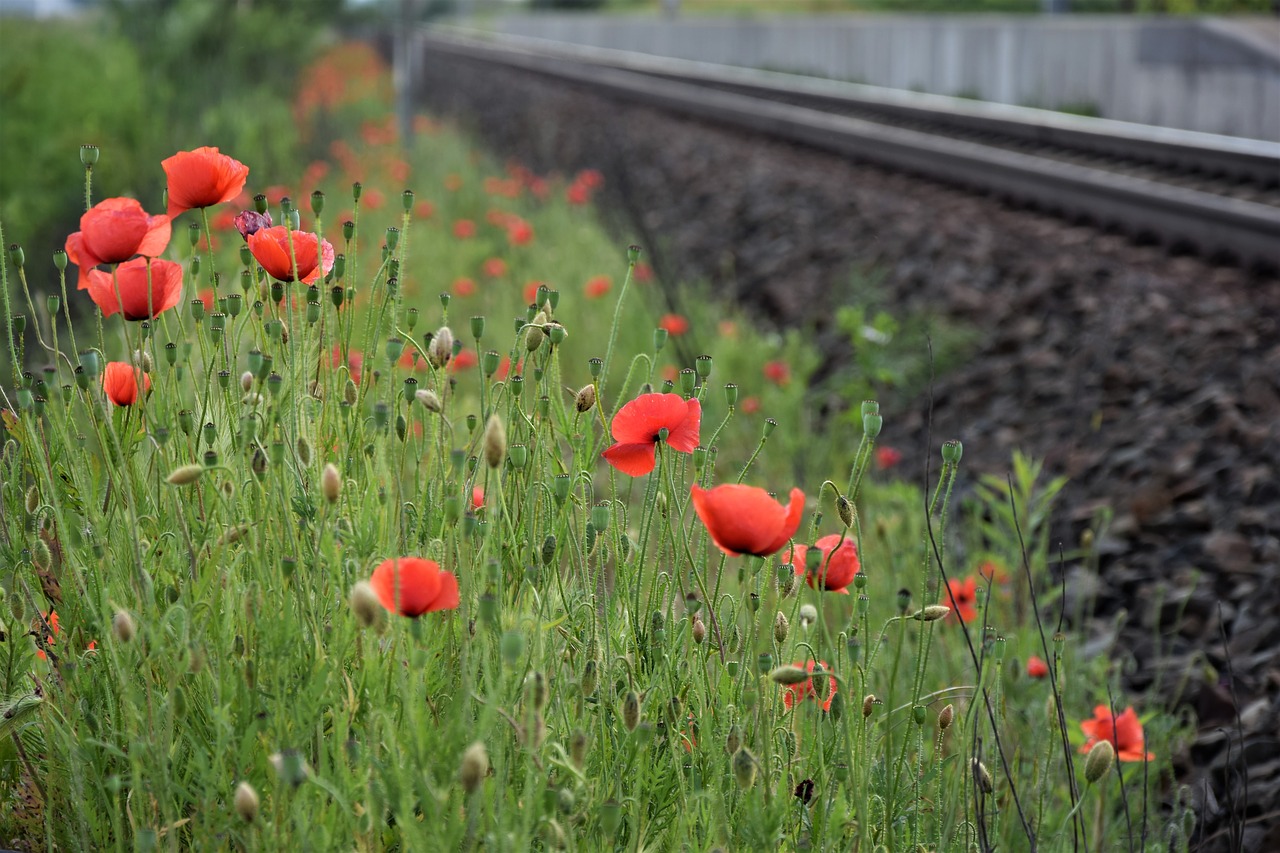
point(640, 419)
point(684, 435)
point(633, 459)
point(790, 522)
point(447, 597)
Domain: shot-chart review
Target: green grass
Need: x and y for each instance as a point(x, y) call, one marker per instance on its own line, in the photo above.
point(604, 711)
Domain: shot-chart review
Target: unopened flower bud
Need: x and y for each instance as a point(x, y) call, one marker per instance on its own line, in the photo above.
point(846, 511)
point(1099, 762)
point(744, 768)
point(367, 608)
point(945, 717)
point(184, 475)
point(494, 442)
point(441, 349)
point(932, 613)
point(585, 399)
point(32, 500)
point(474, 767)
point(788, 675)
point(869, 704)
point(808, 615)
point(533, 336)
point(330, 483)
point(246, 802)
point(631, 710)
point(588, 682)
point(781, 627)
point(246, 381)
point(429, 400)
point(536, 690)
point(699, 631)
point(304, 451)
point(982, 777)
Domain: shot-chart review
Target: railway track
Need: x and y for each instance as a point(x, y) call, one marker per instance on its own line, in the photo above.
point(1218, 196)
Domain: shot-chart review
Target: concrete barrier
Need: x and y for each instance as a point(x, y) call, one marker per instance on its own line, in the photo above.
point(1211, 75)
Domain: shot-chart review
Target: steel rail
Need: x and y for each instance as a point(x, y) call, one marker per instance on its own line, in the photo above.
point(1213, 225)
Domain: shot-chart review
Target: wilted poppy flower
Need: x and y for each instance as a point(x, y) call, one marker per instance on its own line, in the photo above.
point(887, 457)
point(674, 324)
point(777, 372)
point(1124, 732)
point(251, 222)
point(120, 383)
point(131, 278)
point(412, 586)
point(597, 286)
point(794, 694)
point(114, 230)
point(839, 563)
point(202, 178)
point(270, 247)
point(746, 520)
point(639, 425)
point(1036, 667)
point(965, 593)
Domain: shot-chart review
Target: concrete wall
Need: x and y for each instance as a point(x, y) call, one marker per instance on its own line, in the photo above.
point(1215, 76)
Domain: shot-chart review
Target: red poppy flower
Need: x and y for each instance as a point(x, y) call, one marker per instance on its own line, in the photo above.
point(412, 586)
point(120, 383)
point(794, 694)
point(495, 267)
point(670, 373)
point(477, 498)
point(206, 296)
point(355, 361)
point(50, 639)
point(674, 324)
point(453, 182)
point(839, 563)
point(1124, 732)
point(464, 360)
point(746, 520)
point(424, 210)
point(464, 287)
point(750, 405)
point(1036, 667)
point(637, 430)
point(643, 272)
point(373, 199)
point(114, 230)
point(519, 232)
point(993, 572)
point(577, 194)
point(965, 593)
point(592, 179)
point(464, 229)
point(131, 278)
point(887, 457)
point(202, 178)
point(777, 372)
point(270, 247)
point(597, 286)
point(399, 170)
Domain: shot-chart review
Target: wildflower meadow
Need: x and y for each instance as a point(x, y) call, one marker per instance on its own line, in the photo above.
point(401, 506)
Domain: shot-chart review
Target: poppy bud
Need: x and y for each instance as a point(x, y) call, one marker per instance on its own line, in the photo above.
point(788, 675)
point(781, 627)
point(631, 710)
point(32, 500)
point(945, 717)
point(808, 615)
point(846, 510)
point(429, 400)
point(982, 777)
point(932, 613)
point(246, 802)
point(330, 483)
point(122, 626)
point(184, 475)
point(869, 704)
point(367, 608)
point(578, 748)
point(290, 766)
point(41, 557)
point(588, 681)
point(744, 768)
point(474, 767)
point(533, 338)
point(440, 350)
point(1099, 762)
point(536, 690)
point(585, 399)
point(350, 394)
point(304, 452)
point(494, 442)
